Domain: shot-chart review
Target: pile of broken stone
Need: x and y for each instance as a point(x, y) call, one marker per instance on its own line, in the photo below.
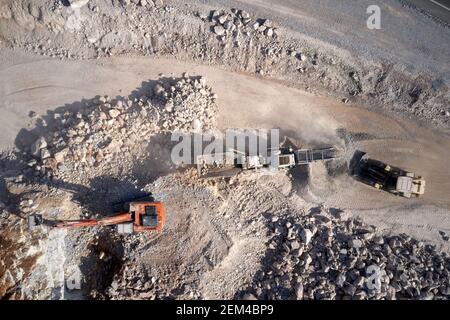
point(128, 285)
point(239, 22)
point(322, 256)
point(106, 129)
point(142, 3)
point(188, 104)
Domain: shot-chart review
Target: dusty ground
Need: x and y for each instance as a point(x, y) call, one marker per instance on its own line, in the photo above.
point(217, 235)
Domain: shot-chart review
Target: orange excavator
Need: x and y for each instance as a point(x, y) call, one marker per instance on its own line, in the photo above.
point(141, 216)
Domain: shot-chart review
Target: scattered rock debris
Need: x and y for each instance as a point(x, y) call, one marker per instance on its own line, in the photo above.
point(345, 259)
point(106, 133)
point(239, 23)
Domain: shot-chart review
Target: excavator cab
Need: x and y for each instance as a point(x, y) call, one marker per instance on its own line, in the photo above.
point(150, 219)
point(148, 215)
point(144, 216)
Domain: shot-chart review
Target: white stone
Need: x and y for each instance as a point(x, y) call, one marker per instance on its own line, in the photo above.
point(269, 32)
point(306, 235)
point(76, 4)
point(299, 291)
point(295, 245)
point(196, 124)
point(219, 30)
point(39, 144)
point(222, 19)
point(245, 15)
point(114, 113)
point(59, 156)
point(355, 243)
point(45, 153)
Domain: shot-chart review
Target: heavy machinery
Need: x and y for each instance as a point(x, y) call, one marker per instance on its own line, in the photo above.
point(385, 177)
point(232, 162)
point(141, 216)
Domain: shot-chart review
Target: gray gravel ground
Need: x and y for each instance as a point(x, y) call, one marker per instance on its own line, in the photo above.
point(407, 36)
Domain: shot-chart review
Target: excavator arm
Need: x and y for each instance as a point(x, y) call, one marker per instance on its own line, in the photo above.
point(36, 220)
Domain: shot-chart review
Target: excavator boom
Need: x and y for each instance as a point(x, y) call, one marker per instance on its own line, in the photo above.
point(120, 218)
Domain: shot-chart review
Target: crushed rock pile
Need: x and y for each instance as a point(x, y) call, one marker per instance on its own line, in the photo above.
point(107, 132)
point(239, 23)
point(189, 104)
point(143, 3)
point(321, 256)
point(136, 282)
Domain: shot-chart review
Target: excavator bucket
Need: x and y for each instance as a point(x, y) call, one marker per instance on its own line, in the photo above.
point(34, 220)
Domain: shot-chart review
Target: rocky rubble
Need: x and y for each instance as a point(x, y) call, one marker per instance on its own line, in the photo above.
point(239, 23)
point(136, 282)
point(142, 3)
point(107, 131)
point(188, 104)
point(321, 256)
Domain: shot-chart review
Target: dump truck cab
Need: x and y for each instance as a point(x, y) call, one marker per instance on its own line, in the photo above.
point(410, 185)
